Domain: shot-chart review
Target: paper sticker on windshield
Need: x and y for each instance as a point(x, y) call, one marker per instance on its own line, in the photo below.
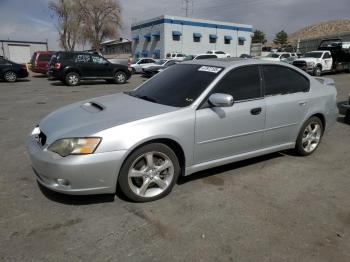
point(211, 69)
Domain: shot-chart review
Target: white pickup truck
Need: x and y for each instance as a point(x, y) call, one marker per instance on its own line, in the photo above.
point(315, 62)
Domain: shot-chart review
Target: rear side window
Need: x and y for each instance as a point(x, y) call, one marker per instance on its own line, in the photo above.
point(242, 83)
point(44, 57)
point(65, 56)
point(83, 58)
point(280, 80)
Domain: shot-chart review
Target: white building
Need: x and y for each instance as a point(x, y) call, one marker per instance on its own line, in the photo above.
point(20, 51)
point(164, 34)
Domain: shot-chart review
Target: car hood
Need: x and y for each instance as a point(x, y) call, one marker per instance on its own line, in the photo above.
point(270, 59)
point(88, 117)
point(308, 59)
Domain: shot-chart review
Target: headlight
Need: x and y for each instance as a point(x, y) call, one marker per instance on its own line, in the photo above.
point(310, 64)
point(75, 146)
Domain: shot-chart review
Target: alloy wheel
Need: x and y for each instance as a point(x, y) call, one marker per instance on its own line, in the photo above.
point(311, 137)
point(73, 79)
point(10, 76)
point(150, 174)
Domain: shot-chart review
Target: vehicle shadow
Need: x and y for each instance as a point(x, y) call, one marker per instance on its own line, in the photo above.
point(74, 199)
point(39, 76)
point(17, 81)
point(230, 167)
point(85, 83)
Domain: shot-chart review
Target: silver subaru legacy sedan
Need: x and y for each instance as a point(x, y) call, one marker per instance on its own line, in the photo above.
point(192, 116)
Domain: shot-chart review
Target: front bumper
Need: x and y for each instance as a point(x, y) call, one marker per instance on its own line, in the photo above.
point(75, 175)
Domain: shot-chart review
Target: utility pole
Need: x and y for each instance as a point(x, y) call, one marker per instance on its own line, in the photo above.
point(187, 5)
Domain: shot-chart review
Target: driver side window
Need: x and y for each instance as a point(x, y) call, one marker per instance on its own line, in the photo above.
point(242, 83)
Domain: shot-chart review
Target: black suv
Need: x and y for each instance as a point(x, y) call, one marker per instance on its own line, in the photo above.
point(71, 67)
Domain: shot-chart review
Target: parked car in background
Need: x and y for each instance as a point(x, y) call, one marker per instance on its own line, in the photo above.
point(175, 56)
point(246, 56)
point(218, 53)
point(192, 116)
point(40, 61)
point(138, 63)
point(159, 66)
point(11, 71)
point(199, 57)
point(72, 67)
point(278, 57)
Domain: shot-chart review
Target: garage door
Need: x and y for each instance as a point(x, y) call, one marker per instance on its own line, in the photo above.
point(19, 53)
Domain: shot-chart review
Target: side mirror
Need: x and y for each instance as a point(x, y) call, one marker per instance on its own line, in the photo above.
point(221, 100)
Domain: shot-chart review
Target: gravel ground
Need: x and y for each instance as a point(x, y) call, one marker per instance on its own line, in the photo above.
point(279, 207)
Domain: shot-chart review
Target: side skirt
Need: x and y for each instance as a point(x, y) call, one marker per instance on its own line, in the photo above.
point(231, 159)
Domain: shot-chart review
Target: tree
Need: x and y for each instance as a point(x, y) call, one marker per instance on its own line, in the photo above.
point(259, 37)
point(101, 19)
point(281, 38)
point(69, 20)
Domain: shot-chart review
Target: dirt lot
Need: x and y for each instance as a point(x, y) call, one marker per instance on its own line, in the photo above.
point(273, 208)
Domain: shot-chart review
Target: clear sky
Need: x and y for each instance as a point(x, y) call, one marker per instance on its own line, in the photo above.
point(31, 19)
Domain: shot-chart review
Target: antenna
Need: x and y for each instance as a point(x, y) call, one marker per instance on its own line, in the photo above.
point(187, 5)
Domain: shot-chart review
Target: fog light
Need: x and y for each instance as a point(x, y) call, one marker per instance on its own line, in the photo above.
point(62, 182)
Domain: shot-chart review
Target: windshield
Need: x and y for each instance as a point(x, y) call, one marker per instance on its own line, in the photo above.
point(314, 54)
point(189, 57)
point(177, 86)
point(273, 55)
point(160, 62)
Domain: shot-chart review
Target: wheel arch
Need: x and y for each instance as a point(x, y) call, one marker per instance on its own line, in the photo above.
point(171, 143)
point(71, 69)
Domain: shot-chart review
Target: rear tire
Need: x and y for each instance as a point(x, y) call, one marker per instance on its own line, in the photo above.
point(72, 79)
point(10, 76)
point(309, 137)
point(149, 173)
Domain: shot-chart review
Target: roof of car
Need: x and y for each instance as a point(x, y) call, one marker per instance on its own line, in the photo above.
point(229, 62)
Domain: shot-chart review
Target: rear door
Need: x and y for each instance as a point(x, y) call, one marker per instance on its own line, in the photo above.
point(226, 131)
point(83, 62)
point(287, 103)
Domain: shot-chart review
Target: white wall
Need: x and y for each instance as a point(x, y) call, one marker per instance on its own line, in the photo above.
point(34, 47)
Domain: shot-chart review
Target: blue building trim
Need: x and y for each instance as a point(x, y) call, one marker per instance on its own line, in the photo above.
point(191, 23)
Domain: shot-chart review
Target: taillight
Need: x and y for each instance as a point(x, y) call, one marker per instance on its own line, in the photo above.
point(57, 66)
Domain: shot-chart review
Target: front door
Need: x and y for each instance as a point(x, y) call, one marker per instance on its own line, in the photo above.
point(101, 67)
point(226, 131)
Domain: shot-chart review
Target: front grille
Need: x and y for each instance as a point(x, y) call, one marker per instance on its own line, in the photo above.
point(41, 138)
point(300, 64)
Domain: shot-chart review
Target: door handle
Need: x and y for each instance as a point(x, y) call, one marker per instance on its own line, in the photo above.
point(256, 111)
point(302, 103)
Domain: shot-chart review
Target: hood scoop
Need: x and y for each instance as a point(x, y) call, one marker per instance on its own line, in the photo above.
point(92, 107)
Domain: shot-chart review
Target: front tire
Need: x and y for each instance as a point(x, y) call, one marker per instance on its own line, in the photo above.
point(309, 137)
point(10, 76)
point(149, 173)
point(72, 79)
point(318, 71)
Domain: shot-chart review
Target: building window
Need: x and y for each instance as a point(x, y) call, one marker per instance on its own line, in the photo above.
point(197, 37)
point(227, 41)
point(176, 37)
point(212, 38)
point(241, 40)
